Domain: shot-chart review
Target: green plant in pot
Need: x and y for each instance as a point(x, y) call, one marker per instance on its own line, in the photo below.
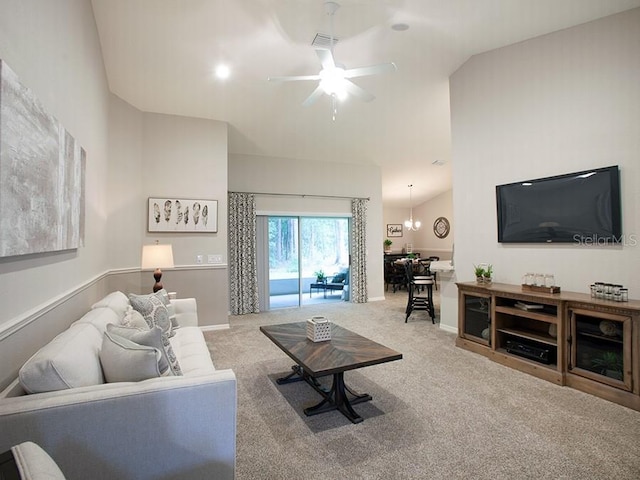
point(487, 274)
point(479, 271)
point(609, 364)
point(320, 276)
point(387, 245)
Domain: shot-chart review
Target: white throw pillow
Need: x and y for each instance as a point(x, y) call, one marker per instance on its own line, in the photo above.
point(125, 361)
point(133, 318)
point(148, 337)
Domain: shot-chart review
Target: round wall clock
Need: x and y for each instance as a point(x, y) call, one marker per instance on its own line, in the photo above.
point(441, 227)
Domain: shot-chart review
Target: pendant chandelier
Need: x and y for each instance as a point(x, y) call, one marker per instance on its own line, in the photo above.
point(410, 224)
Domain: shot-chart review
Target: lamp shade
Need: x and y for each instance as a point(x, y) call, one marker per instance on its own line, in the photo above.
point(157, 256)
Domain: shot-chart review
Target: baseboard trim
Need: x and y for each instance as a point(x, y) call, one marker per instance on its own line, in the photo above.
point(210, 328)
point(376, 299)
point(449, 329)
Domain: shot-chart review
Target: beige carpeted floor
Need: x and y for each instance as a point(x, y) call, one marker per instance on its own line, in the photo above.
point(440, 412)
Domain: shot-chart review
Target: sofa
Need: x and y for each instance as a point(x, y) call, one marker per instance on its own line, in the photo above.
point(96, 426)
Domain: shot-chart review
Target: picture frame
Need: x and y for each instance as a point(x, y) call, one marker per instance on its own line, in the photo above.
point(182, 215)
point(394, 229)
point(441, 227)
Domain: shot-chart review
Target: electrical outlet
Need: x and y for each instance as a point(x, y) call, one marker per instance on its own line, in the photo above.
point(214, 258)
point(199, 259)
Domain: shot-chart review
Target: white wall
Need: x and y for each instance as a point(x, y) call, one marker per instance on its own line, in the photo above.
point(277, 175)
point(563, 102)
point(53, 47)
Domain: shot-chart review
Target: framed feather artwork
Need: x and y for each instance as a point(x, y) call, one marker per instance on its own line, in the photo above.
point(183, 215)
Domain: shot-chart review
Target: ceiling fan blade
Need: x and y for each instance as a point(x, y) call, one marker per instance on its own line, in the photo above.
point(326, 58)
point(315, 95)
point(357, 91)
point(371, 70)
point(293, 78)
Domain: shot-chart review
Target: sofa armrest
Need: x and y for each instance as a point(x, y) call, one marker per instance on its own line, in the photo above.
point(170, 427)
point(186, 311)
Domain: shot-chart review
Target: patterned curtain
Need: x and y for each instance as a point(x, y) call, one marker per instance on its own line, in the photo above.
point(358, 288)
point(243, 271)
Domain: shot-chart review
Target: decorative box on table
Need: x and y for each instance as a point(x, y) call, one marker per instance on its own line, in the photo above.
point(318, 329)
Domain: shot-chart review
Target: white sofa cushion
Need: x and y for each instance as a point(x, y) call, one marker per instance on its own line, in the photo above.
point(116, 301)
point(70, 360)
point(126, 361)
point(34, 463)
point(99, 317)
point(191, 349)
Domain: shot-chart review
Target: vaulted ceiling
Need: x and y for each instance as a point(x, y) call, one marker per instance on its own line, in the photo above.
point(160, 56)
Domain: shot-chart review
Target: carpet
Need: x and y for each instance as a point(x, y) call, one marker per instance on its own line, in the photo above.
point(440, 412)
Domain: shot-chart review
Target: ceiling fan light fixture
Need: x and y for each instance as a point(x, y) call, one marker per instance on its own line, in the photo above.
point(332, 82)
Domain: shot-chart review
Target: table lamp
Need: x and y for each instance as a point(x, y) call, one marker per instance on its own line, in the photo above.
point(156, 257)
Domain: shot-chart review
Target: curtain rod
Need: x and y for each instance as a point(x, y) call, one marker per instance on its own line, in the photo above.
point(303, 195)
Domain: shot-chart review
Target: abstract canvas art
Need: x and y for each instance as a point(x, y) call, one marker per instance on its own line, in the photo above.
point(183, 215)
point(42, 171)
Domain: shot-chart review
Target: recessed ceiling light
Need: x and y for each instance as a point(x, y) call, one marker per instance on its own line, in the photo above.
point(400, 27)
point(222, 72)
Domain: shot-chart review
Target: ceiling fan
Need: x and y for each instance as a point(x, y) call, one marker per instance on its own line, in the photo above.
point(334, 78)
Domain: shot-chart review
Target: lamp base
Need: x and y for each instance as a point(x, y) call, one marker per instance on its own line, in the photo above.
point(157, 275)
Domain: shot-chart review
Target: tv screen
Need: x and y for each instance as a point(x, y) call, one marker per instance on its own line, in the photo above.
point(581, 208)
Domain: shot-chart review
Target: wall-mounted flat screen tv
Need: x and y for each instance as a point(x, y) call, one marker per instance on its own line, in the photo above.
point(581, 208)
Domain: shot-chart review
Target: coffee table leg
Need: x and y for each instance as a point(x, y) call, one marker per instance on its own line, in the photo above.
point(297, 375)
point(337, 399)
point(295, 370)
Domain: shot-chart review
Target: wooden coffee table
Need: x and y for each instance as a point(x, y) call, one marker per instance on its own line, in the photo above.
point(345, 351)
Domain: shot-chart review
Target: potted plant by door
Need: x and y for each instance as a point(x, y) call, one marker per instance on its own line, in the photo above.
point(320, 276)
point(387, 245)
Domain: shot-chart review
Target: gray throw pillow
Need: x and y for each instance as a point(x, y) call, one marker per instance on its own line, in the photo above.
point(164, 297)
point(149, 337)
point(125, 361)
point(153, 310)
point(155, 313)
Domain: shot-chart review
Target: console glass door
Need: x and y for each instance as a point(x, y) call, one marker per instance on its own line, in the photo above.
point(601, 347)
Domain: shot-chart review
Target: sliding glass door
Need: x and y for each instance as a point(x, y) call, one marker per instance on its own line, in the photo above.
point(300, 249)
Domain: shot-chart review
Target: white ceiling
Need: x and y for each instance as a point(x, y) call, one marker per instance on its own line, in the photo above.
point(160, 55)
